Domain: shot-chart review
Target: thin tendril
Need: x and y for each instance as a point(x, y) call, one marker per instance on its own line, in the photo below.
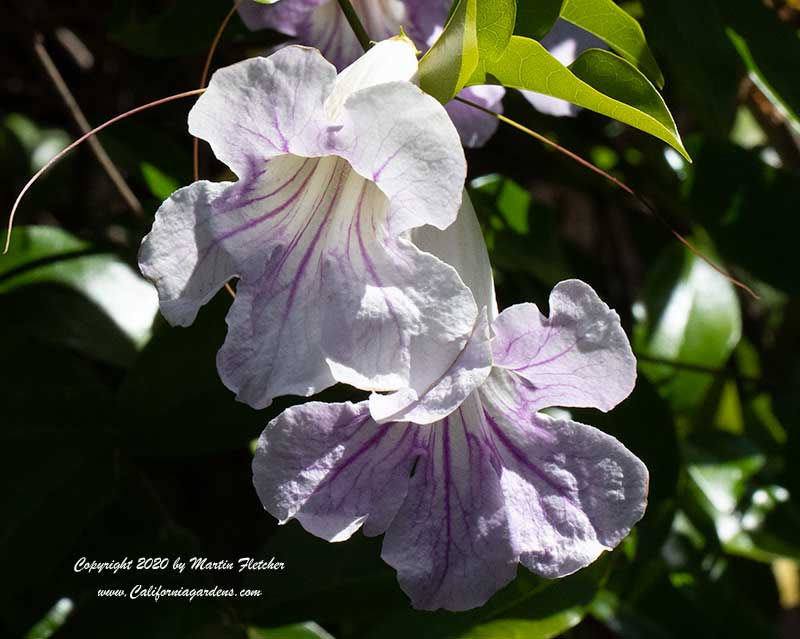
point(81, 140)
point(355, 24)
point(649, 208)
point(204, 79)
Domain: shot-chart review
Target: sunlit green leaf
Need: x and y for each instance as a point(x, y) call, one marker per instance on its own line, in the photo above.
point(767, 47)
point(495, 25)
point(689, 315)
point(308, 630)
point(526, 64)
point(450, 62)
point(620, 31)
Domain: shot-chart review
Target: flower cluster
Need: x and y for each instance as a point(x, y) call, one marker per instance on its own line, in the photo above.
point(360, 260)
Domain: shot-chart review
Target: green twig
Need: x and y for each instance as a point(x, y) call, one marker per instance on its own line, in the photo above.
point(355, 24)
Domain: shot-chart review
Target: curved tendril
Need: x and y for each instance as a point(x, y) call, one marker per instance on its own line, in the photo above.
point(649, 208)
point(81, 140)
point(204, 79)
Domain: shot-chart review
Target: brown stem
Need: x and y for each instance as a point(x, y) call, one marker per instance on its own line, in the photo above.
point(83, 124)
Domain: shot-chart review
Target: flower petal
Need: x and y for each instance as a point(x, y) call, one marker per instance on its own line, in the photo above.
point(308, 230)
point(327, 28)
point(565, 42)
point(261, 108)
point(571, 491)
point(393, 60)
point(284, 15)
point(449, 542)
point(181, 256)
point(476, 127)
point(428, 400)
point(461, 245)
point(265, 107)
point(579, 356)
point(334, 469)
point(398, 317)
point(434, 393)
point(415, 156)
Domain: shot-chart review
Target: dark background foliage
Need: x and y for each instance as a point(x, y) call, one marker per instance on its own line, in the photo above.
point(118, 441)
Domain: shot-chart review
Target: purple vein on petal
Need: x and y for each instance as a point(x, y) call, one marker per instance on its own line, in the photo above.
point(367, 261)
point(520, 457)
point(237, 204)
point(263, 218)
point(548, 360)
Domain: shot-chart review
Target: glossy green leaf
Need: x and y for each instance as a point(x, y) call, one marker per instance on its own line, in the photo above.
point(42, 255)
point(494, 27)
point(449, 63)
point(533, 605)
point(476, 34)
point(753, 519)
point(689, 315)
point(535, 19)
point(160, 184)
point(308, 630)
point(526, 64)
point(769, 48)
point(618, 29)
point(721, 466)
point(552, 626)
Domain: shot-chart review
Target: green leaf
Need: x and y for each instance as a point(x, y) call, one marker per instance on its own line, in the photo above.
point(619, 30)
point(42, 255)
point(308, 630)
point(526, 64)
point(769, 49)
point(530, 607)
point(160, 184)
point(689, 315)
point(552, 626)
point(521, 234)
point(449, 63)
point(476, 34)
point(494, 26)
point(535, 19)
point(753, 519)
point(618, 79)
